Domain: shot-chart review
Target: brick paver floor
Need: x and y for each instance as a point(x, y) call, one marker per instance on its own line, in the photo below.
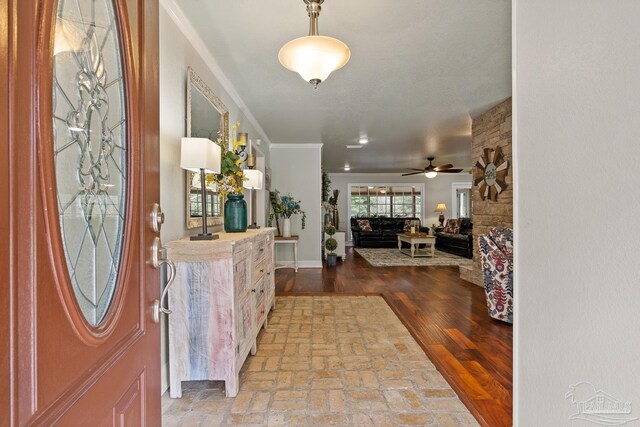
point(327, 360)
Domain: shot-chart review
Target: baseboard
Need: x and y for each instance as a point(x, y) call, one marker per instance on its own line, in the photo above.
point(301, 264)
point(310, 264)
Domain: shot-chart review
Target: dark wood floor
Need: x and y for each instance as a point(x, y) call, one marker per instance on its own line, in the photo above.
point(445, 314)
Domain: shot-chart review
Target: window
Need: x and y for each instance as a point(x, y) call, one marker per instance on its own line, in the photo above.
point(213, 209)
point(461, 201)
point(387, 200)
point(464, 202)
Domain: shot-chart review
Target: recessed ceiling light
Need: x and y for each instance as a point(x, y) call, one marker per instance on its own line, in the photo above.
point(347, 167)
point(363, 140)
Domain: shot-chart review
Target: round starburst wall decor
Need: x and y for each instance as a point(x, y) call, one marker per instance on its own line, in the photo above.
point(491, 173)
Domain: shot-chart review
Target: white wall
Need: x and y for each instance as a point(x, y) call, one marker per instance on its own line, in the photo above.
point(297, 171)
point(177, 52)
point(437, 190)
point(577, 156)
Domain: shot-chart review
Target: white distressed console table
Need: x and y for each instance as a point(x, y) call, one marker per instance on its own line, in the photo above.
point(221, 297)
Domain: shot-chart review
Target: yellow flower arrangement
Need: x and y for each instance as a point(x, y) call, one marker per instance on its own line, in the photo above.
point(231, 177)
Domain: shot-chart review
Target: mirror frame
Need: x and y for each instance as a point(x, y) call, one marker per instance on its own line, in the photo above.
point(194, 81)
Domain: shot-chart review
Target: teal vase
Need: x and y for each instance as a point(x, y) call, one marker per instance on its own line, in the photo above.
point(235, 214)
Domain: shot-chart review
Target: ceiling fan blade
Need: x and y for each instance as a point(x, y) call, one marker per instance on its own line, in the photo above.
point(443, 167)
point(412, 173)
point(451, 171)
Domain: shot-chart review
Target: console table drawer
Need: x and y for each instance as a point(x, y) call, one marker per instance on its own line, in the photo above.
point(259, 270)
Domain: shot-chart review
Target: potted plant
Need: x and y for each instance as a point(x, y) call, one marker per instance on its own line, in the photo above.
point(229, 183)
point(286, 206)
point(331, 245)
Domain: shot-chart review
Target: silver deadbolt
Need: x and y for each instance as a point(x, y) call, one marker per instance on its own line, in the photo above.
point(157, 218)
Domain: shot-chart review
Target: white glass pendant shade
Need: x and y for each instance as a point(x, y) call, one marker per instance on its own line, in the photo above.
point(314, 57)
point(200, 153)
point(431, 174)
point(252, 179)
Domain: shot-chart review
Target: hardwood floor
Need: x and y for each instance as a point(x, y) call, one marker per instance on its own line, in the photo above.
point(446, 315)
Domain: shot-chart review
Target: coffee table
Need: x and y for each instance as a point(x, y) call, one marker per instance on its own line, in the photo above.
point(415, 240)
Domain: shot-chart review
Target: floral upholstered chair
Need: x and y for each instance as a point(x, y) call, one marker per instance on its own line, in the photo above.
point(496, 251)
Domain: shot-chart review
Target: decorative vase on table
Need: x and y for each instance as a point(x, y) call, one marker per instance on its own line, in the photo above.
point(235, 214)
point(286, 229)
point(327, 219)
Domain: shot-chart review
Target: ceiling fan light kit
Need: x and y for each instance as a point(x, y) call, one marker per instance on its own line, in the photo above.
point(432, 171)
point(314, 57)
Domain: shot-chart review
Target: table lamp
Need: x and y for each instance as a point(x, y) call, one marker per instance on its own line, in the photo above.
point(204, 156)
point(442, 208)
point(253, 179)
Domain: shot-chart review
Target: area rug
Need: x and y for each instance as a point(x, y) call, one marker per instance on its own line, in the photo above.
point(328, 360)
point(392, 257)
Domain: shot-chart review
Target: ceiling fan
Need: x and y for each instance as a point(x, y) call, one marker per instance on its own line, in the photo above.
point(432, 171)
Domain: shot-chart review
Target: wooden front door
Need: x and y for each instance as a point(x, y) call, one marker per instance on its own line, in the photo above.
point(78, 179)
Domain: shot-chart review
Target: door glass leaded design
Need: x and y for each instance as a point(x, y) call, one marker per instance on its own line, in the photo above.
point(90, 149)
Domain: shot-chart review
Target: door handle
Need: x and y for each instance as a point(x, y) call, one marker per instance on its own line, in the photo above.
point(159, 257)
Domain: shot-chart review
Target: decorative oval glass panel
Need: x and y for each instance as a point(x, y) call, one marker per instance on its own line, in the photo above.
point(90, 149)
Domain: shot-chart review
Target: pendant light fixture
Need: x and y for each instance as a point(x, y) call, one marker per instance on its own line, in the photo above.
point(314, 57)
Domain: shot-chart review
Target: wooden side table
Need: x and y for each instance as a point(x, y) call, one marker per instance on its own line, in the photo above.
point(293, 240)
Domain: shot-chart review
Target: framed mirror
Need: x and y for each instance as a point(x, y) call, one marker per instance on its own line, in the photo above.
point(207, 117)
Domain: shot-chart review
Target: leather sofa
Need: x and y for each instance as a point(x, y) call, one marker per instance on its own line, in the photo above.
point(384, 231)
point(460, 243)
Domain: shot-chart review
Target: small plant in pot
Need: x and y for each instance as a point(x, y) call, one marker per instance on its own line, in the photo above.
point(331, 245)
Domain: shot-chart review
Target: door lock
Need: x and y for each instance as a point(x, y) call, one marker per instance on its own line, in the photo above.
point(157, 218)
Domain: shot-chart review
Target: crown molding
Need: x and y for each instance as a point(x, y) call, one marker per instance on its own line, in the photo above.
point(272, 146)
point(180, 19)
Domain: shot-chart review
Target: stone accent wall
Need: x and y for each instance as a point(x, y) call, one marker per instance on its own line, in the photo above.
point(490, 130)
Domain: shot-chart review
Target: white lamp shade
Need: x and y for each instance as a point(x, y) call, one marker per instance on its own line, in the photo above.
point(200, 153)
point(314, 57)
point(252, 179)
point(431, 174)
point(441, 208)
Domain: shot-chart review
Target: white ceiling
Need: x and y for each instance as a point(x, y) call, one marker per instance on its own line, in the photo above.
point(419, 71)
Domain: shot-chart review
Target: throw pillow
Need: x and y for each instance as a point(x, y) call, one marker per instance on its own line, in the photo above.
point(407, 225)
point(453, 226)
point(364, 225)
